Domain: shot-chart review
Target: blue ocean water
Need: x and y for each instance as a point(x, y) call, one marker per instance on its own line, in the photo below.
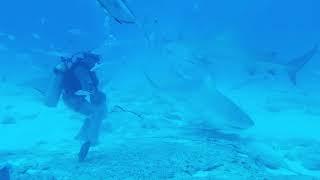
point(195, 89)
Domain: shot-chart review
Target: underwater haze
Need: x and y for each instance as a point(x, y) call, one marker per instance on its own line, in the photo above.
point(194, 89)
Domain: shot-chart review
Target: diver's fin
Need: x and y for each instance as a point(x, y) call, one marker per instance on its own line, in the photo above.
point(84, 151)
point(82, 134)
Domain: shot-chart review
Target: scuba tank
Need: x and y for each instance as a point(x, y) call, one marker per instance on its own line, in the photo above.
point(54, 91)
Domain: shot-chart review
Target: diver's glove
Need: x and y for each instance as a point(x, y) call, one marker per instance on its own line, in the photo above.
point(63, 66)
point(87, 91)
point(60, 68)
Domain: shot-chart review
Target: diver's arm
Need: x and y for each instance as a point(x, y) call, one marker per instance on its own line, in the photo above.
point(55, 87)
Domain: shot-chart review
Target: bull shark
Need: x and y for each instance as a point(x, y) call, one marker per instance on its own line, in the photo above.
point(213, 111)
point(292, 67)
point(227, 115)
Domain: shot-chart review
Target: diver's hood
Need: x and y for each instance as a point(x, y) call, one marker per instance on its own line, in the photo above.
point(88, 58)
point(91, 58)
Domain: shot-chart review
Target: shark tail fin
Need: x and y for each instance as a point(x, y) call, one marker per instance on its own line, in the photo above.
point(296, 64)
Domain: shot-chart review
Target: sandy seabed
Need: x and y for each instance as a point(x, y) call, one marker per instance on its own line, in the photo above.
point(143, 139)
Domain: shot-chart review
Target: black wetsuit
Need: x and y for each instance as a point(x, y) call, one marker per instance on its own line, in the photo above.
point(79, 77)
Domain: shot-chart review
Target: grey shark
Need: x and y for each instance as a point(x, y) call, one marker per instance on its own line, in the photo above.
point(292, 67)
point(228, 115)
point(212, 111)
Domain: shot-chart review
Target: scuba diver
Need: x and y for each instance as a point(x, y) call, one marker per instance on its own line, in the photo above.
point(77, 83)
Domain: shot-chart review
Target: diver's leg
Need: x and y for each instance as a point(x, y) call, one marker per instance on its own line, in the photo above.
point(95, 122)
point(80, 105)
point(95, 112)
point(98, 101)
point(91, 128)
